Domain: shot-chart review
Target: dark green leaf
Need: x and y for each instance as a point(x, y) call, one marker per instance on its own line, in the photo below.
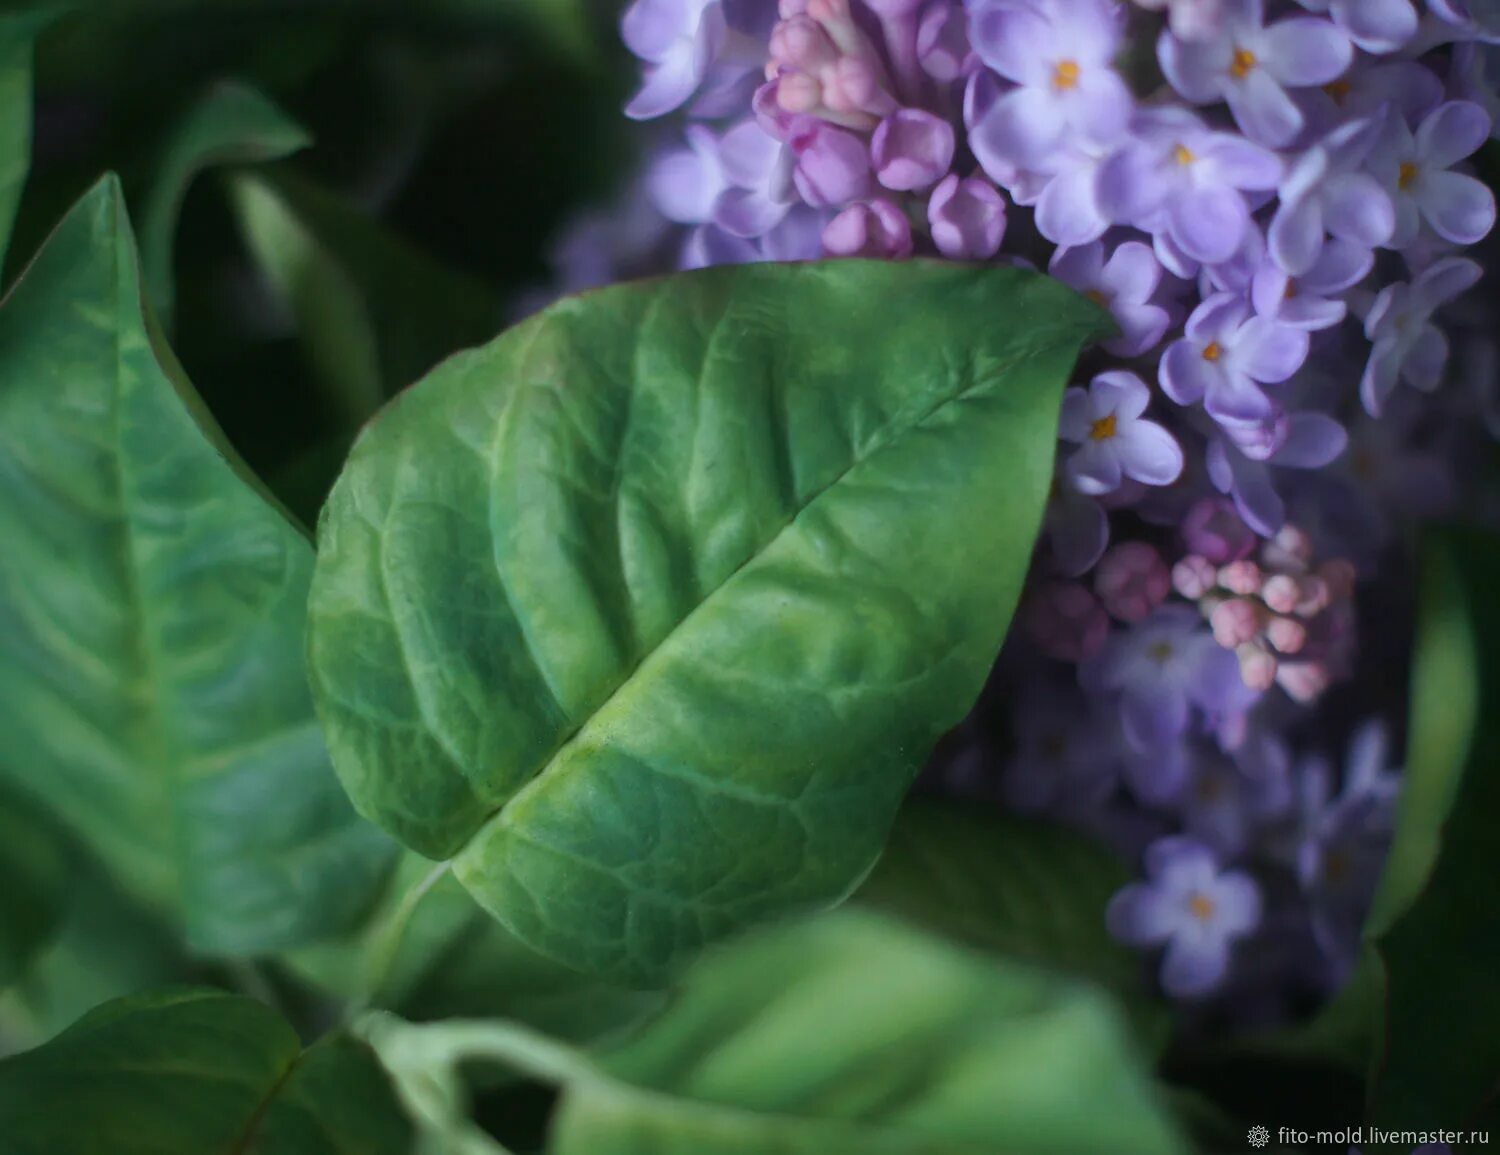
point(1020, 889)
point(1437, 925)
point(430, 952)
point(647, 613)
point(849, 1035)
point(33, 875)
point(372, 311)
point(18, 33)
point(152, 694)
point(196, 1073)
point(232, 124)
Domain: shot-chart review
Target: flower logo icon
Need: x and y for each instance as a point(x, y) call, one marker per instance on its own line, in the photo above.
point(1259, 1136)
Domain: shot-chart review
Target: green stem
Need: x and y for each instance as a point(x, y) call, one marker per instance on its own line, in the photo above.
point(388, 939)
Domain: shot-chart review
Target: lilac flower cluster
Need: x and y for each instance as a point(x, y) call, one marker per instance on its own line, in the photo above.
point(1274, 201)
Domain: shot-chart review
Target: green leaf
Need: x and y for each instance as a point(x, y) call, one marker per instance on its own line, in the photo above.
point(18, 33)
point(848, 1035)
point(647, 613)
point(196, 1073)
point(1020, 889)
point(373, 312)
point(34, 871)
point(1437, 927)
point(152, 694)
point(232, 124)
point(430, 952)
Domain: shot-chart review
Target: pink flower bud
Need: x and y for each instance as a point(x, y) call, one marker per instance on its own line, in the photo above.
point(1194, 576)
point(1287, 635)
point(801, 43)
point(1282, 592)
point(1214, 529)
point(1291, 549)
point(967, 218)
point(833, 166)
point(912, 149)
point(1132, 580)
point(1236, 621)
point(1241, 577)
point(878, 229)
point(798, 93)
point(854, 87)
point(1303, 681)
point(943, 42)
point(1067, 621)
point(1316, 596)
point(1257, 667)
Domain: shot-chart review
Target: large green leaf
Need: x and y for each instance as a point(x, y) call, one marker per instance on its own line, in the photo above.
point(1016, 888)
point(196, 1073)
point(232, 124)
point(1436, 927)
point(33, 877)
point(152, 602)
point(647, 613)
point(373, 312)
point(18, 33)
point(848, 1035)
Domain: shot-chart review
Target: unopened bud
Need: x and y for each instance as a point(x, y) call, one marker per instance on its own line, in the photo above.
point(1303, 681)
point(1282, 592)
point(1257, 667)
point(1194, 576)
point(1287, 635)
point(1241, 577)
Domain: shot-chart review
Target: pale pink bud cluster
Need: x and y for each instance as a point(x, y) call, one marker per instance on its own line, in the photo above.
point(1132, 580)
point(1289, 621)
point(822, 64)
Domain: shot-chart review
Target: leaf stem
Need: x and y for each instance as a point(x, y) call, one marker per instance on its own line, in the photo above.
point(388, 939)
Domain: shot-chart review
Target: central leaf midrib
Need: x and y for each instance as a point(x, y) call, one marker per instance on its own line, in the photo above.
point(893, 434)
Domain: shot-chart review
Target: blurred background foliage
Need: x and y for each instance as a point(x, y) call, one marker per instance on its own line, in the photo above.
point(447, 142)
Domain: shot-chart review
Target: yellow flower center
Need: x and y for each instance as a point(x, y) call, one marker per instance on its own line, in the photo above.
point(1291, 289)
point(1212, 352)
point(1408, 177)
point(1160, 652)
point(1098, 296)
point(1065, 75)
point(1338, 91)
point(1244, 63)
point(1103, 429)
point(1183, 155)
point(1202, 907)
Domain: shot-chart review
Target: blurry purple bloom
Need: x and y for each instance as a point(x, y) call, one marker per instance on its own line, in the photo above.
point(1066, 621)
point(1252, 66)
point(757, 169)
point(1187, 903)
point(967, 218)
point(1160, 668)
point(1407, 345)
point(1132, 580)
point(1415, 172)
point(833, 165)
point(1065, 760)
point(799, 236)
point(684, 183)
point(1227, 354)
point(1105, 421)
point(943, 41)
point(1077, 529)
point(1214, 530)
point(1179, 178)
point(1311, 301)
point(709, 245)
point(878, 229)
point(1230, 797)
point(1367, 89)
point(1325, 193)
point(912, 149)
point(1191, 19)
point(1374, 25)
point(678, 40)
point(1124, 285)
point(1061, 59)
point(1311, 441)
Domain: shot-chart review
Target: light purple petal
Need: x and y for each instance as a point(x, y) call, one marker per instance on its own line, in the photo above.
point(1186, 375)
point(1102, 106)
point(747, 212)
point(1193, 967)
point(1121, 393)
point(1006, 38)
point(1296, 236)
point(1313, 440)
point(1306, 51)
point(1426, 359)
point(1379, 26)
point(1342, 265)
point(1382, 371)
point(1182, 864)
point(1078, 530)
point(1130, 186)
point(1142, 915)
point(1268, 352)
point(1229, 159)
point(1197, 69)
point(1255, 496)
point(1073, 425)
point(1149, 454)
point(1094, 468)
point(1132, 272)
point(1443, 281)
point(1459, 208)
point(1024, 126)
point(1263, 109)
point(1067, 212)
point(1452, 132)
point(1154, 714)
point(1141, 327)
point(1209, 223)
point(1237, 903)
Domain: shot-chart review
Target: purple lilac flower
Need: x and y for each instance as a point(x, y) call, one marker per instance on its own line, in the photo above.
point(678, 39)
point(1415, 170)
point(758, 188)
point(1179, 178)
point(1114, 440)
point(1193, 907)
point(1251, 66)
point(1065, 759)
point(1326, 193)
point(1190, 19)
point(967, 218)
point(1124, 284)
point(1160, 669)
point(912, 149)
point(1406, 345)
point(1060, 58)
point(1313, 300)
point(1225, 358)
point(1311, 441)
